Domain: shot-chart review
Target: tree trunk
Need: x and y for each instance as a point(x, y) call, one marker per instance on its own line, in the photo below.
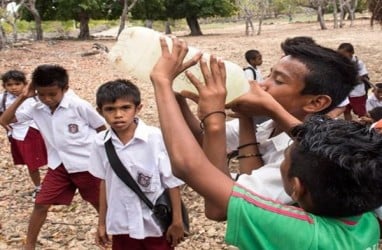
point(194, 26)
point(3, 38)
point(149, 23)
point(126, 9)
point(352, 8)
point(335, 14)
point(320, 17)
point(37, 19)
point(84, 26)
point(248, 23)
point(260, 23)
point(342, 13)
point(168, 27)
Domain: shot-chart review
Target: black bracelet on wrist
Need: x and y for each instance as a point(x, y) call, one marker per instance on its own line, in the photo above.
point(247, 144)
point(209, 114)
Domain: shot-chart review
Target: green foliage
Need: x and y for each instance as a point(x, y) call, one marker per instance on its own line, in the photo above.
point(71, 9)
point(284, 6)
point(362, 6)
point(152, 10)
point(178, 9)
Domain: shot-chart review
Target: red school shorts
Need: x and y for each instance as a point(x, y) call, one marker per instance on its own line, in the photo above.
point(358, 105)
point(31, 151)
point(123, 241)
point(59, 187)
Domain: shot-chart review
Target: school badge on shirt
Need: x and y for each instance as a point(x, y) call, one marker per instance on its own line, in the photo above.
point(144, 180)
point(73, 128)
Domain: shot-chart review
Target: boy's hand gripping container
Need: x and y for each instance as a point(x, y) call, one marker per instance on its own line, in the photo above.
point(138, 49)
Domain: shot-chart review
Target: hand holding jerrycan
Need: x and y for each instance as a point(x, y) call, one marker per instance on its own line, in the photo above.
point(138, 49)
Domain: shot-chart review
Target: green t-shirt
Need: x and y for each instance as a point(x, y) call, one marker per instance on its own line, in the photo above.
point(255, 222)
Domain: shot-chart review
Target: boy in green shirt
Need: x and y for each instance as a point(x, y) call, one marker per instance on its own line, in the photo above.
point(334, 179)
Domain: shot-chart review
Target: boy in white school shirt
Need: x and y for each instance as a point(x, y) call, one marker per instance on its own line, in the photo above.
point(68, 125)
point(142, 152)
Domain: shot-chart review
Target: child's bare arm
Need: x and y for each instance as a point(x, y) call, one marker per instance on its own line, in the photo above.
point(188, 160)
point(175, 232)
point(102, 239)
point(191, 120)
point(9, 114)
point(249, 155)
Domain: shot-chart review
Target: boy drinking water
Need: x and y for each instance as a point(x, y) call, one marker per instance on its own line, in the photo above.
point(27, 145)
point(335, 185)
point(68, 125)
point(141, 150)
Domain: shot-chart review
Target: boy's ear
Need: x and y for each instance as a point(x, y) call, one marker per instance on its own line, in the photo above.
point(298, 189)
point(317, 103)
point(138, 108)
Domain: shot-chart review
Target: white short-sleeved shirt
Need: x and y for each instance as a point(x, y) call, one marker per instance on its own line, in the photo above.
point(265, 181)
point(343, 103)
point(372, 102)
point(19, 129)
point(359, 90)
point(68, 132)
point(249, 74)
point(146, 159)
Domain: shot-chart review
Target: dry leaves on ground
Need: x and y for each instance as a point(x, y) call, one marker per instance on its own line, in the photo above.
point(73, 227)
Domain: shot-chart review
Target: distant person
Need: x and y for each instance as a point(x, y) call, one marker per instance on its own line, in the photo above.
point(334, 184)
point(372, 116)
point(254, 60)
point(375, 98)
point(141, 150)
point(68, 125)
point(358, 96)
point(27, 145)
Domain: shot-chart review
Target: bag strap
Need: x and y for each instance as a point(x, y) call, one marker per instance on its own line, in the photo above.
point(123, 173)
point(253, 71)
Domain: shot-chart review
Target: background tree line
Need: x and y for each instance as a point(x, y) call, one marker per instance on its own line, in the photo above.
point(169, 10)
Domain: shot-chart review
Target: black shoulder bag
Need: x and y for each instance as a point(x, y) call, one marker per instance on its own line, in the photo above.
point(162, 209)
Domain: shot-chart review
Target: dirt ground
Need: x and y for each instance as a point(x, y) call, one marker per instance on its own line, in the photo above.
point(73, 227)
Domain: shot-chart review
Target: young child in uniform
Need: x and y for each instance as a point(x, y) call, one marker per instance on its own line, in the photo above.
point(375, 99)
point(27, 145)
point(358, 96)
point(68, 125)
point(334, 182)
point(141, 150)
point(254, 59)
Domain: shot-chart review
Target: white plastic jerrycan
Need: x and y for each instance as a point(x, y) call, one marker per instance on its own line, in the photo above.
point(138, 49)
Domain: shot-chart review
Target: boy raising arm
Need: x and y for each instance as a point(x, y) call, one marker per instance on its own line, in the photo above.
point(68, 125)
point(252, 220)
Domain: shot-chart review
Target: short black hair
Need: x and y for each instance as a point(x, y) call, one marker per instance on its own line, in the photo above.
point(50, 75)
point(330, 73)
point(299, 40)
point(376, 113)
point(251, 54)
point(110, 91)
point(15, 75)
point(340, 164)
point(378, 85)
point(348, 47)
